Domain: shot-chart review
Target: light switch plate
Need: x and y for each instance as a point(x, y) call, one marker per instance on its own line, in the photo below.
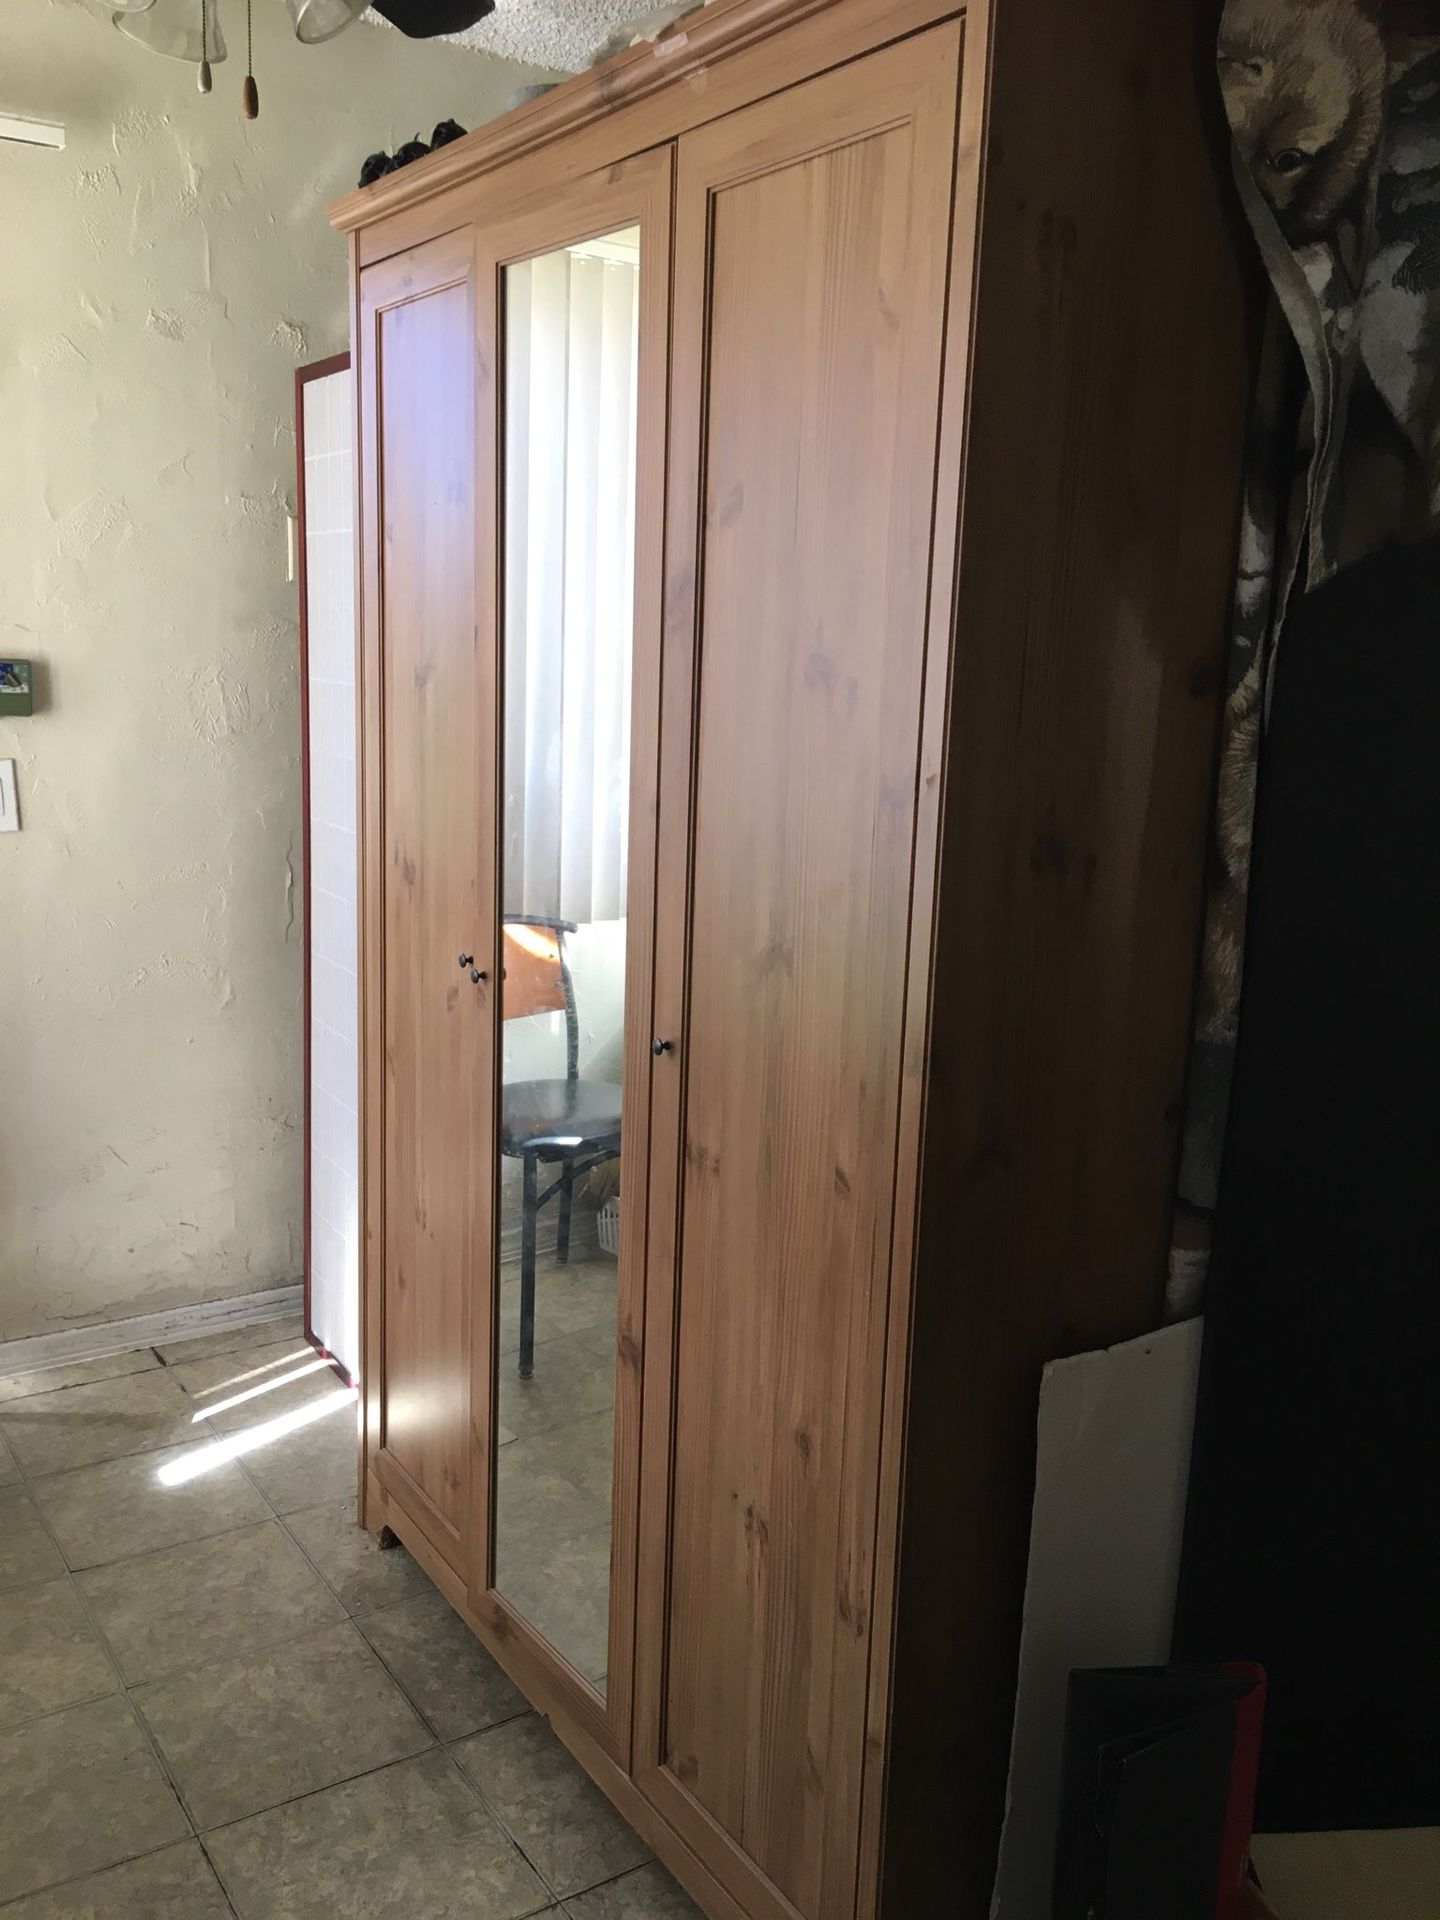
point(9, 803)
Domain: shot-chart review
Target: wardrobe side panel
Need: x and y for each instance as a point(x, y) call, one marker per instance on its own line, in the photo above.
point(1106, 405)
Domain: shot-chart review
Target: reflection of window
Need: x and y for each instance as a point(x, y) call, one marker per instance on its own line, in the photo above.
point(569, 559)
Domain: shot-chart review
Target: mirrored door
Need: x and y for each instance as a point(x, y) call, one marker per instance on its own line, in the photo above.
point(579, 435)
point(570, 332)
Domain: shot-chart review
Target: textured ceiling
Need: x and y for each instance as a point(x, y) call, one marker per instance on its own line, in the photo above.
point(560, 34)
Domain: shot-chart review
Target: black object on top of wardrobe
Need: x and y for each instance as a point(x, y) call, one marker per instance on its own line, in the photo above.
point(423, 19)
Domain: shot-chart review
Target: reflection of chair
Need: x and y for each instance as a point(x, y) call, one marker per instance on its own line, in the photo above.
point(572, 1123)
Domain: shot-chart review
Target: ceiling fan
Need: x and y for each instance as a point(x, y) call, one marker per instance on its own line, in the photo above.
point(182, 29)
point(190, 29)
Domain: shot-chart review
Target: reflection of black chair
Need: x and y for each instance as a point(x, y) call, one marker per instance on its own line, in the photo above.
point(572, 1123)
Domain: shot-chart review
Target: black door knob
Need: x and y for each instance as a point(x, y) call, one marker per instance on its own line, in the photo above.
point(478, 973)
point(467, 959)
point(659, 1046)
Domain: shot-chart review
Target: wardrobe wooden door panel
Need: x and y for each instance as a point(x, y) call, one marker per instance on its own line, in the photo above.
point(425, 788)
point(812, 238)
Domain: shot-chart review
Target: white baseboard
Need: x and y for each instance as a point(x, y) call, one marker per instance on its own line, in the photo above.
point(148, 1329)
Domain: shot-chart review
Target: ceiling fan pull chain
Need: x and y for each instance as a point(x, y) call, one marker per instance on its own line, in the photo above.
point(249, 93)
point(203, 79)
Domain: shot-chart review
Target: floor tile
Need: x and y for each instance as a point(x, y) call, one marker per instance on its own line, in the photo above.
point(319, 1391)
point(288, 1326)
point(49, 1654)
point(305, 1386)
point(536, 1505)
point(242, 1368)
point(570, 1299)
point(165, 1612)
point(120, 1508)
point(407, 1843)
point(563, 1590)
point(247, 1733)
point(544, 1800)
point(363, 1574)
point(254, 1383)
point(81, 1790)
point(313, 1464)
point(26, 1550)
point(442, 1666)
point(175, 1884)
point(17, 1386)
point(648, 1893)
point(584, 1451)
point(76, 1426)
point(570, 1381)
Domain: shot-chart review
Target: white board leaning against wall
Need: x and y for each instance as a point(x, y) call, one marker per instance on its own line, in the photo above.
point(325, 435)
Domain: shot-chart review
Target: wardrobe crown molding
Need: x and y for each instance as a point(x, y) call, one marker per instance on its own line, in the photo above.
point(714, 32)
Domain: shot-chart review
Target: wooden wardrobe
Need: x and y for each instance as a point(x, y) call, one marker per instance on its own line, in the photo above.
point(798, 474)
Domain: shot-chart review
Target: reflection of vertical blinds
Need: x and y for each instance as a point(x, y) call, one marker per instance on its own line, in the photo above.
point(569, 567)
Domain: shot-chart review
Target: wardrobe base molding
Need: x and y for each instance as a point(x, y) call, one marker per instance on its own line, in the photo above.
point(404, 1496)
point(380, 1515)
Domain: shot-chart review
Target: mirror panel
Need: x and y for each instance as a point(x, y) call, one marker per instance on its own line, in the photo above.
point(570, 336)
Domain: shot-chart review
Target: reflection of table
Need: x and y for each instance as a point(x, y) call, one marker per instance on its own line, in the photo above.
point(574, 1124)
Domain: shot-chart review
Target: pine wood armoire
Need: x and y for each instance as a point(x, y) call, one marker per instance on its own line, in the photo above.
point(798, 470)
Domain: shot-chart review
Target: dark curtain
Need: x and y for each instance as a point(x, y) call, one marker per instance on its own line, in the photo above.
point(1335, 110)
point(1313, 1123)
point(1313, 1543)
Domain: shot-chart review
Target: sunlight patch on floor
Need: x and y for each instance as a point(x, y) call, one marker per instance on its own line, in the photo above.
point(265, 1386)
point(175, 1473)
point(306, 1352)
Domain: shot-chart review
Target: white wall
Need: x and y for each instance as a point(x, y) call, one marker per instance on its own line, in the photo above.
point(161, 279)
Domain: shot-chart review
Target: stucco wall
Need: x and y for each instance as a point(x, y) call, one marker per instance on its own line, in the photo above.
point(159, 281)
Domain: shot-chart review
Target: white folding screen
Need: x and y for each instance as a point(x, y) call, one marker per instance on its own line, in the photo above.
point(333, 1133)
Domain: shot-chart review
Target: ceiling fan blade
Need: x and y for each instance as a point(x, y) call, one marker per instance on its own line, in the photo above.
point(318, 20)
point(173, 27)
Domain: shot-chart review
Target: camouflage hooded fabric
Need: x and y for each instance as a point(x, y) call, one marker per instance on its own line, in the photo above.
point(1334, 106)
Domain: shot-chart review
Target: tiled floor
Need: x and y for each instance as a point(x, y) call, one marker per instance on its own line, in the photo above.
point(218, 1697)
point(556, 1456)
